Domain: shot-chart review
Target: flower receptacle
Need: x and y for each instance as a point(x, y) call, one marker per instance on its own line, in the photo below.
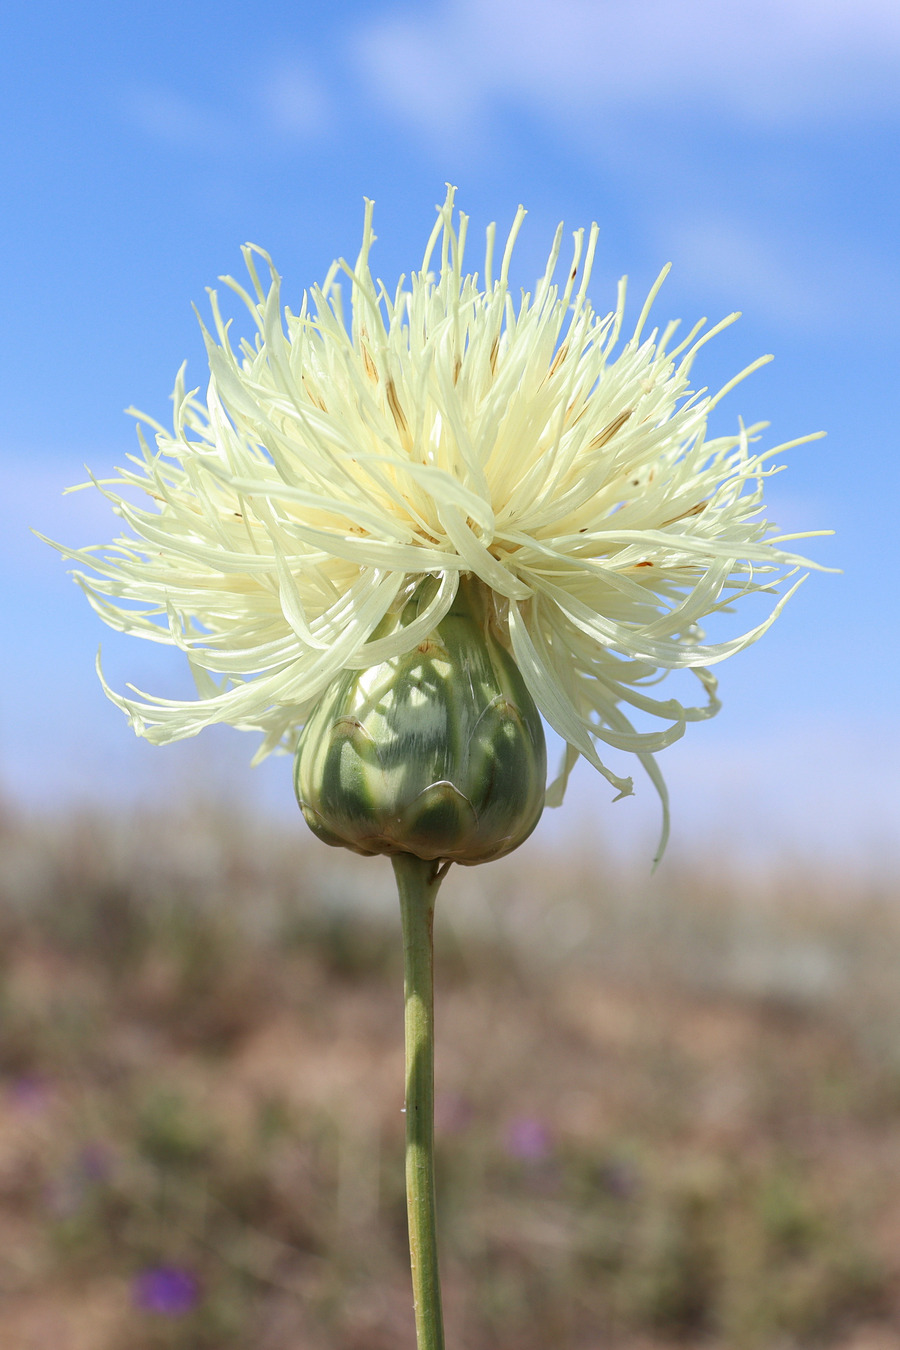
point(439, 752)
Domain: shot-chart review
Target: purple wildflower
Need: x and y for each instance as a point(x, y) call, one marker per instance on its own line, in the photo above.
point(169, 1291)
point(527, 1138)
point(30, 1093)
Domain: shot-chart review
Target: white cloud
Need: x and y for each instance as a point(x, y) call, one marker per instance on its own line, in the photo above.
point(295, 101)
point(169, 116)
point(637, 92)
point(831, 789)
point(823, 791)
point(416, 73)
point(728, 258)
point(290, 101)
point(757, 60)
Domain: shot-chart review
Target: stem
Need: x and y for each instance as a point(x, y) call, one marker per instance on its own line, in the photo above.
point(417, 883)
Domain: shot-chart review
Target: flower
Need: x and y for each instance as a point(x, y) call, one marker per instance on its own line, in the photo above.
point(528, 1138)
point(442, 430)
point(168, 1291)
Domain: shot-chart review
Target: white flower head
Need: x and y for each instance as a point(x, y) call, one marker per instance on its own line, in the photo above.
point(450, 427)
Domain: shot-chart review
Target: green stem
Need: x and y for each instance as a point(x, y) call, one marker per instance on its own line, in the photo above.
point(417, 883)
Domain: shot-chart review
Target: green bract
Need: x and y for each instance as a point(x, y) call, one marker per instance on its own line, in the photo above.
point(439, 752)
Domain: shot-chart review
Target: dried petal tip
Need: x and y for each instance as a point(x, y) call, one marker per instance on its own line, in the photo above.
point(439, 752)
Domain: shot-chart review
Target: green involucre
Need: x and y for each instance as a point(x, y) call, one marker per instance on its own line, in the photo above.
point(439, 753)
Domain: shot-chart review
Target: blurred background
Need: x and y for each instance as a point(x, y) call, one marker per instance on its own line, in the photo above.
point(195, 1002)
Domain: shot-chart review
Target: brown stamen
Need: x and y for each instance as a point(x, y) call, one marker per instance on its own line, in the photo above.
point(606, 435)
point(371, 369)
point(691, 511)
point(558, 360)
point(398, 415)
point(312, 395)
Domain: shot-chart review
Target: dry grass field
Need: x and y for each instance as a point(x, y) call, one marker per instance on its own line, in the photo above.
point(668, 1113)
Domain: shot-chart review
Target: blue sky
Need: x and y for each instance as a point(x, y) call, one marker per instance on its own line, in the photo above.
point(754, 144)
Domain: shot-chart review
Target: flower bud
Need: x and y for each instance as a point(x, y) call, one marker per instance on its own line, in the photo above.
point(439, 752)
